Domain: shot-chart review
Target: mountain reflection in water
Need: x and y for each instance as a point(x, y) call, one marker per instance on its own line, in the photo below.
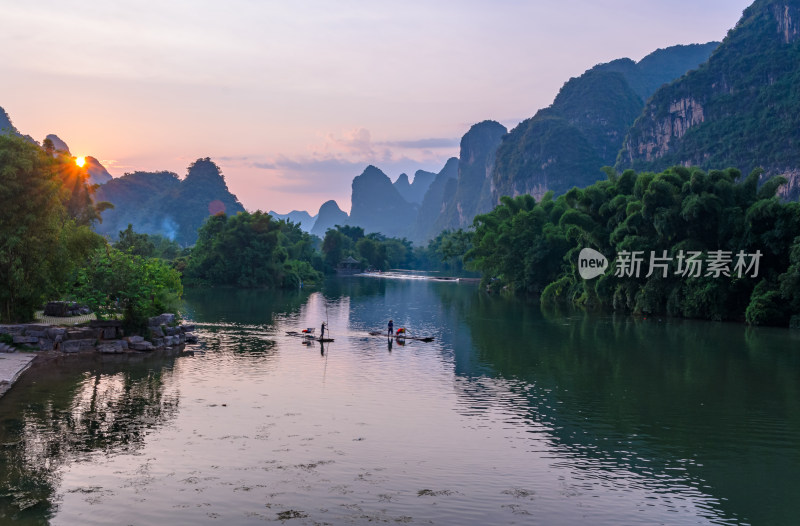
point(512, 414)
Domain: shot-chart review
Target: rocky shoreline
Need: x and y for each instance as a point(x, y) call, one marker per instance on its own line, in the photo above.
point(100, 336)
point(104, 336)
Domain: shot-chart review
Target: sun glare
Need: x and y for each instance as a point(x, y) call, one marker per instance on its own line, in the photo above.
point(80, 161)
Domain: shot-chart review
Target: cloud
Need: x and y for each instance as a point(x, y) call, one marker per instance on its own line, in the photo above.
point(303, 173)
point(332, 163)
point(328, 167)
point(358, 143)
point(354, 142)
point(439, 142)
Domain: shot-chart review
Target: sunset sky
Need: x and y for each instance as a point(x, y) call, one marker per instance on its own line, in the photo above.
point(293, 100)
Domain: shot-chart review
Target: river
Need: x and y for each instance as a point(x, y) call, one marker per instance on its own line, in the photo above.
point(513, 415)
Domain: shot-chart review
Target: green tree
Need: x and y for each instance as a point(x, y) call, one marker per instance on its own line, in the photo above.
point(533, 248)
point(116, 282)
point(251, 250)
point(136, 244)
point(41, 240)
point(336, 246)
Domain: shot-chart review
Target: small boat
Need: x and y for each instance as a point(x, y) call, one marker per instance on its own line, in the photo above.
point(403, 336)
point(308, 336)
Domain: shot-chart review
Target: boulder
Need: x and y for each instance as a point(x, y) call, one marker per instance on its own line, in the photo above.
point(159, 343)
point(26, 339)
point(70, 346)
point(55, 333)
point(35, 334)
point(141, 346)
point(187, 328)
point(164, 319)
point(190, 337)
point(46, 344)
point(112, 347)
point(155, 332)
point(56, 308)
point(134, 339)
point(173, 331)
point(107, 329)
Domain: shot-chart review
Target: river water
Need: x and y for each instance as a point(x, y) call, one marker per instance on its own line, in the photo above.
point(513, 415)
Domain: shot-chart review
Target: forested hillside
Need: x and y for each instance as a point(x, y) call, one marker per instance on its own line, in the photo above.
point(161, 203)
point(741, 108)
point(567, 143)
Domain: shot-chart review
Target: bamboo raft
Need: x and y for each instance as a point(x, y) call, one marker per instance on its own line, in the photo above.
point(308, 336)
point(403, 336)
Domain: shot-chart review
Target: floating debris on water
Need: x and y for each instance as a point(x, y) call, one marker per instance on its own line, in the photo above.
point(432, 493)
point(291, 514)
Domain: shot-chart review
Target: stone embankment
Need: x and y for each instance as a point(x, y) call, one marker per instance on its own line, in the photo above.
point(103, 336)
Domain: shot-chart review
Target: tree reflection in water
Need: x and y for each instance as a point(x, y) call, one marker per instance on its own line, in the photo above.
point(66, 412)
point(706, 406)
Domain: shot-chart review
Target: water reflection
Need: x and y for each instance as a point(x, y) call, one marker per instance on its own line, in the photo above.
point(241, 307)
point(565, 416)
point(65, 413)
point(708, 410)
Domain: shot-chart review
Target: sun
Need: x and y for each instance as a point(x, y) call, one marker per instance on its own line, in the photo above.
point(80, 161)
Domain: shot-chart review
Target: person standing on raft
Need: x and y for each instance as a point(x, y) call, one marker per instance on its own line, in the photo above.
point(391, 327)
point(322, 331)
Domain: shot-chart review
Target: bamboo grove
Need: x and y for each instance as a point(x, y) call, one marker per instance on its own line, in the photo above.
point(532, 247)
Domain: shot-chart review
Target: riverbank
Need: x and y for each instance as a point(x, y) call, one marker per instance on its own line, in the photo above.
point(12, 365)
point(38, 342)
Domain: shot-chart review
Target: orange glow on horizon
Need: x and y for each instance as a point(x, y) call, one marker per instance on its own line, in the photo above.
point(80, 161)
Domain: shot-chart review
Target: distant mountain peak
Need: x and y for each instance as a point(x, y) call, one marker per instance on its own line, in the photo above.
point(205, 171)
point(567, 143)
point(377, 205)
point(97, 172)
point(414, 192)
point(5, 123)
point(738, 109)
point(329, 215)
point(58, 144)
point(298, 217)
point(471, 193)
point(373, 172)
point(440, 190)
point(161, 203)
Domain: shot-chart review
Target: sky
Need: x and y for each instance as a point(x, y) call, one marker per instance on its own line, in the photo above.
point(294, 99)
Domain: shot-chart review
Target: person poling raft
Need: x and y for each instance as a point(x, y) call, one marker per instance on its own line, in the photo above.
point(309, 334)
point(401, 334)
